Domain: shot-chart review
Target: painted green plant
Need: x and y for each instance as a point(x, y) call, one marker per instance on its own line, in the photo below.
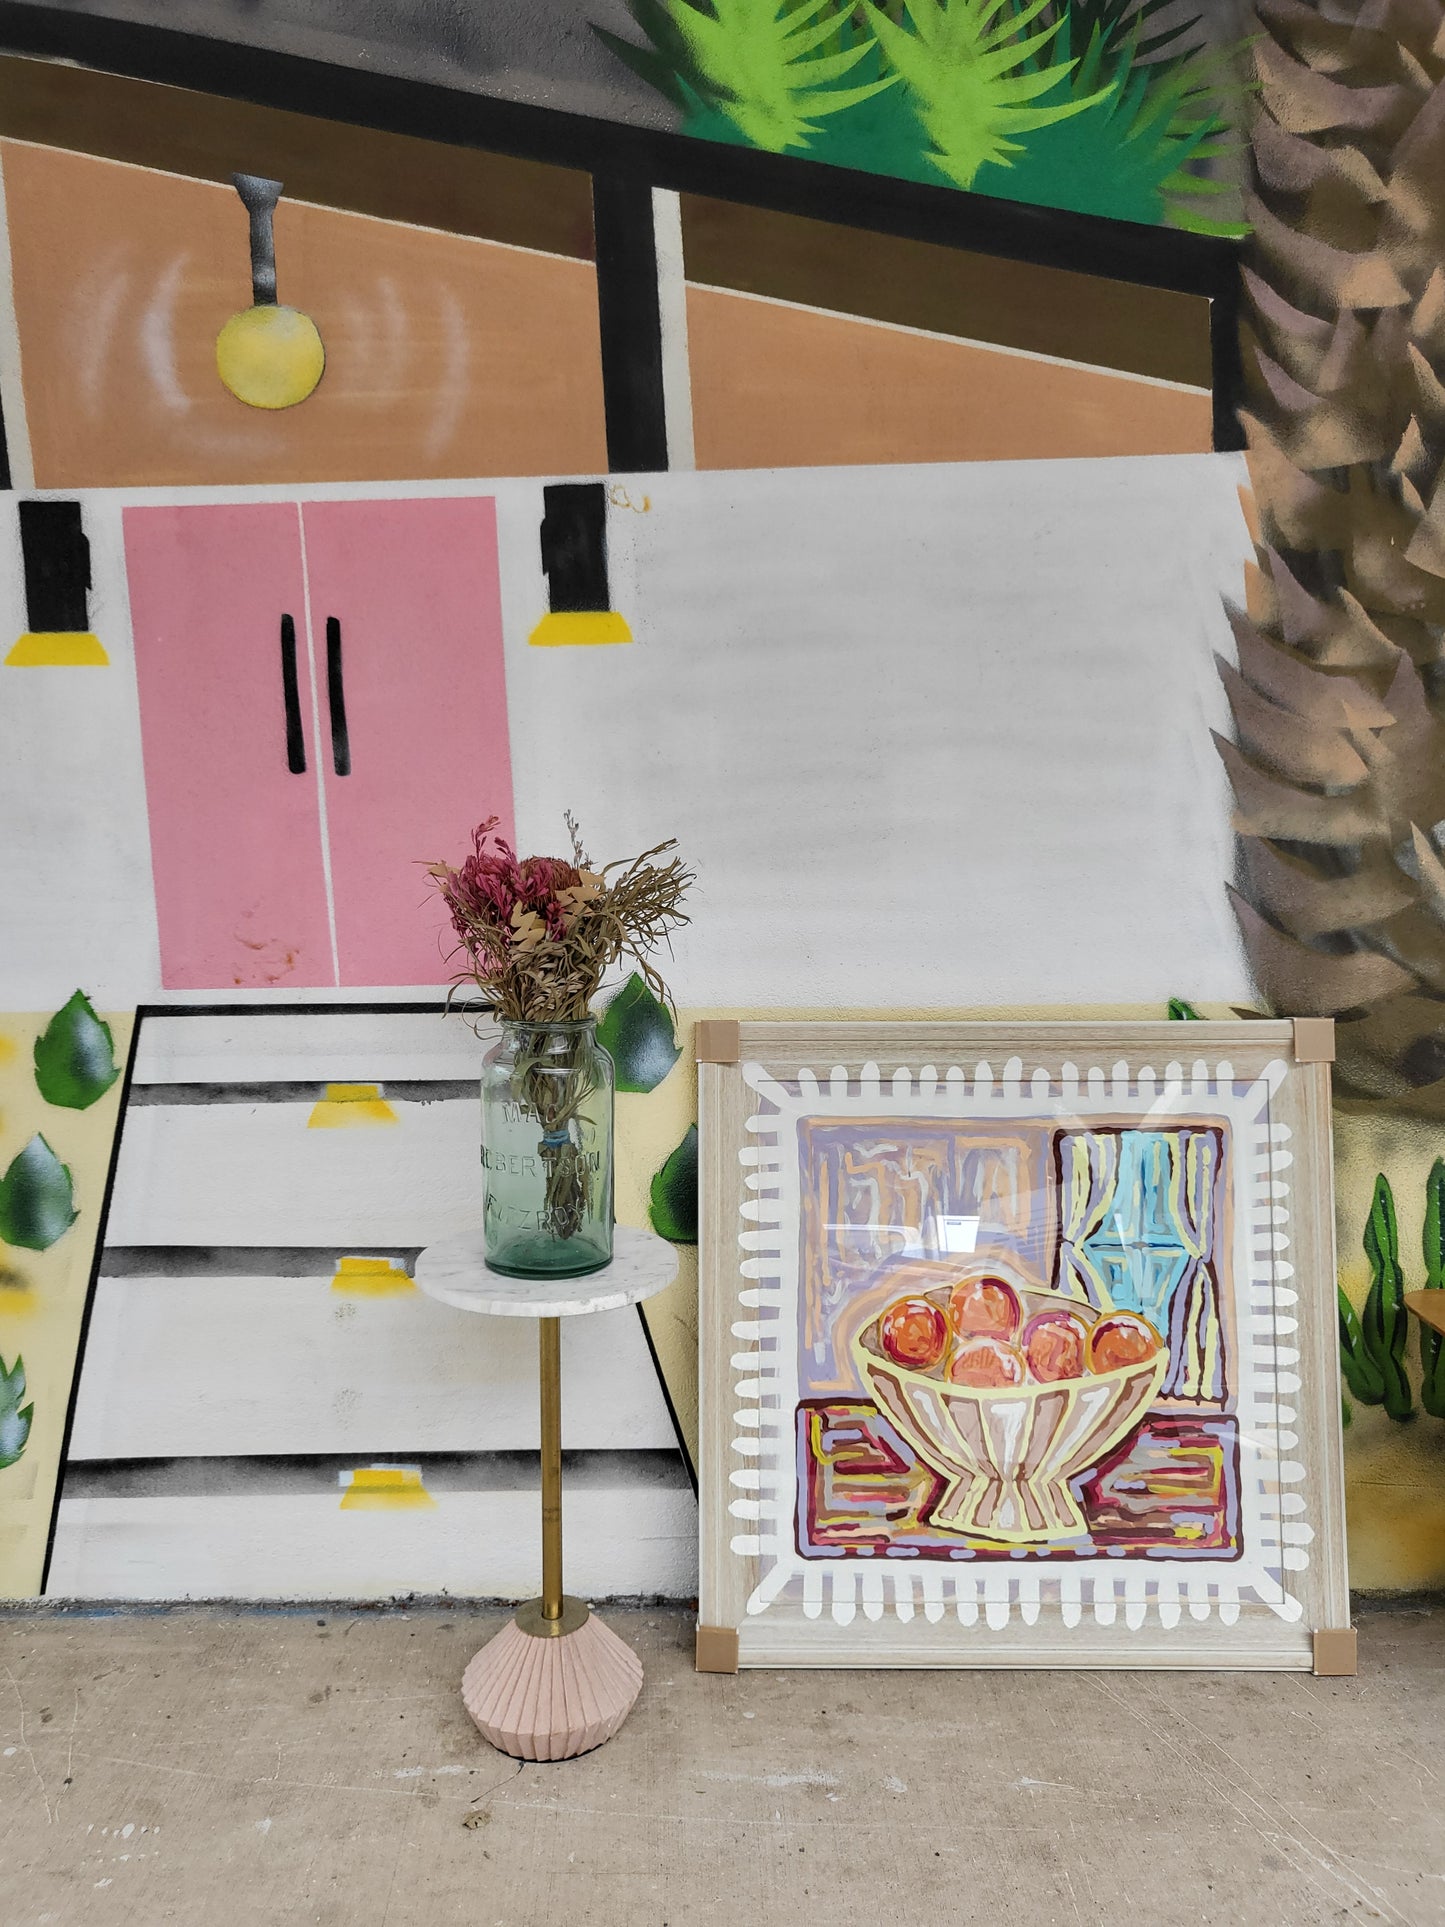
point(1181, 1012)
point(1385, 1320)
point(1151, 115)
point(1372, 1342)
point(980, 71)
point(14, 1417)
point(1432, 1344)
point(37, 1198)
point(1362, 1374)
point(1108, 107)
point(770, 67)
point(75, 1056)
point(636, 1032)
point(674, 1193)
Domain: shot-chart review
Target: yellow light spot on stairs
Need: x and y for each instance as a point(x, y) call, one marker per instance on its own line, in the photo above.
point(371, 1277)
point(376, 1488)
point(59, 649)
point(348, 1104)
point(579, 628)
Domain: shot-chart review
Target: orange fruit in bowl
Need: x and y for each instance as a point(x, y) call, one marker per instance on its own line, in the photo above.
point(913, 1332)
point(987, 1363)
point(1122, 1338)
point(984, 1308)
point(1056, 1344)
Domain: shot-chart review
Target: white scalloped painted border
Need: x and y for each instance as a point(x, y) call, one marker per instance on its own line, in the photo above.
point(1275, 1530)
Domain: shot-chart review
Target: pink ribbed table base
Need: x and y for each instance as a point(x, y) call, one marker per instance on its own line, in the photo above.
point(548, 1699)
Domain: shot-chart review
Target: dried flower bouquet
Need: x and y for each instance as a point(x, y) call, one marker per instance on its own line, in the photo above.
point(538, 935)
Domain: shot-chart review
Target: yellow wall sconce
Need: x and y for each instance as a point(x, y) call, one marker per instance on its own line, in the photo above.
point(269, 356)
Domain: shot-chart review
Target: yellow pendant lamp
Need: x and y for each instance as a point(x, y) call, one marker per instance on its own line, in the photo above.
point(267, 355)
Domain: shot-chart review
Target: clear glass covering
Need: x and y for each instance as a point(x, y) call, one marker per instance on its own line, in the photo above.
point(547, 1150)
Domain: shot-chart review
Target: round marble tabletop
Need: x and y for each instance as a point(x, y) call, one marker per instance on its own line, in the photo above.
point(455, 1272)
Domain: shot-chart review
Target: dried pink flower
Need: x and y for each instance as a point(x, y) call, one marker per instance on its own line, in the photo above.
point(539, 934)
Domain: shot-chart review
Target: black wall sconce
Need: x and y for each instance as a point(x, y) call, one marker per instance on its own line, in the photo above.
point(56, 555)
point(574, 557)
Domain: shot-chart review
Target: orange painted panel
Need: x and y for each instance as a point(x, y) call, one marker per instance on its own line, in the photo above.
point(444, 355)
point(775, 386)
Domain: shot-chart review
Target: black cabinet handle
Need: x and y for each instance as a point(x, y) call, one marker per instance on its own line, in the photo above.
point(295, 741)
point(336, 699)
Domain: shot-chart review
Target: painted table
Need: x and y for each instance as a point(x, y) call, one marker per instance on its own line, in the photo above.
point(1428, 1307)
point(555, 1681)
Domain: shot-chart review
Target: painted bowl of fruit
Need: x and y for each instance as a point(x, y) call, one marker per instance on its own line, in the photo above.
point(1008, 1394)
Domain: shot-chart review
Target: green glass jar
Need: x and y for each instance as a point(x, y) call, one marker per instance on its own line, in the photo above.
point(547, 1150)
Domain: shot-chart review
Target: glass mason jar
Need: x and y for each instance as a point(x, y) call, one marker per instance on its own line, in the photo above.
point(547, 1150)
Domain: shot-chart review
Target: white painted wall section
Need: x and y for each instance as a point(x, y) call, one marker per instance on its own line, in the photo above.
point(930, 736)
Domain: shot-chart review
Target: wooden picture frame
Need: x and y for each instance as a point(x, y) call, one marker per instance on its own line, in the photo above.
point(859, 1512)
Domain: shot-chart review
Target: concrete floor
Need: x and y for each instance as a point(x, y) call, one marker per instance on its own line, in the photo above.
point(219, 1769)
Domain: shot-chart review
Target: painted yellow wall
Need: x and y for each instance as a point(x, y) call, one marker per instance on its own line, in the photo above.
point(42, 1293)
point(1394, 1474)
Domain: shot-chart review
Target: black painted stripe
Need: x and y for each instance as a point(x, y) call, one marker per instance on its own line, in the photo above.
point(319, 1475)
point(458, 1006)
point(629, 320)
point(684, 1449)
point(433, 1090)
point(336, 700)
point(243, 1261)
point(291, 695)
point(1227, 361)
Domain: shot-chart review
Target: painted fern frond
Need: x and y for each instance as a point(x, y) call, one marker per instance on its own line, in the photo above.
point(1137, 153)
point(666, 63)
point(973, 68)
point(770, 68)
point(1152, 29)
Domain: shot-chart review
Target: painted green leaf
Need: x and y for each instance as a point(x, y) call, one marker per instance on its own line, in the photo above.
point(75, 1056)
point(978, 71)
point(636, 1031)
point(1432, 1344)
point(674, 1194)
point(14, 1417)
point(769, 68)
point(1182, 1012)
point(37, 1200)
point(1384, 1320)
point(1362, 1374)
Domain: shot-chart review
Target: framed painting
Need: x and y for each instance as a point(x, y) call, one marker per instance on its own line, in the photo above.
point(1019, 1346)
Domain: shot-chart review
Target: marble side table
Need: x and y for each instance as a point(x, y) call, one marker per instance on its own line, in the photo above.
point(555, 1681)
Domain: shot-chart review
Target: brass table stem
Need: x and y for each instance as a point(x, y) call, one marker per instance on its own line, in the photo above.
point(549, 1344)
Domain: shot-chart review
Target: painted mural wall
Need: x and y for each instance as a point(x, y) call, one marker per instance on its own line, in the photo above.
point(932, 721)
point(813, 716)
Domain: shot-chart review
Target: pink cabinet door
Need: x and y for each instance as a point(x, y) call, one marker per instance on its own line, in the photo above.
point(219, 618)
point(406, 627)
